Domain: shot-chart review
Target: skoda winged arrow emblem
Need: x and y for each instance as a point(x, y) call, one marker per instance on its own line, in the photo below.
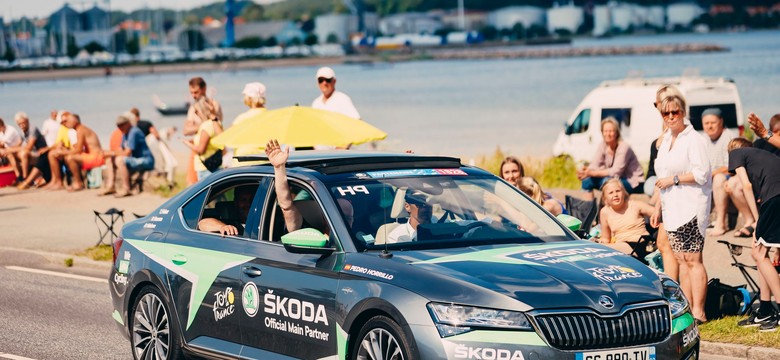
point(606, 302)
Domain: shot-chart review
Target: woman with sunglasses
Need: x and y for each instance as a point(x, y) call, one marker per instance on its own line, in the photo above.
point(684, 183)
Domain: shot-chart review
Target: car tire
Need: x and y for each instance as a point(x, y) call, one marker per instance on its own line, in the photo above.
point(151, 329)
point(382, 338)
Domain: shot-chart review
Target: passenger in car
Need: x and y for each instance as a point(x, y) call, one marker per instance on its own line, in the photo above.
point(420, 212)
point(293, 218)
point(243, 196)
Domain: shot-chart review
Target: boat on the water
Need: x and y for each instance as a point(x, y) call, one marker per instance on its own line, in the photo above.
point(168, 110)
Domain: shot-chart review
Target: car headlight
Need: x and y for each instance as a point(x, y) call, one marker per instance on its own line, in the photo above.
point(673, 293)
point(451, 319)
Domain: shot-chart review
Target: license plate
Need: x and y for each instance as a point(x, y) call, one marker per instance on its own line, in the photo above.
point(643, 353)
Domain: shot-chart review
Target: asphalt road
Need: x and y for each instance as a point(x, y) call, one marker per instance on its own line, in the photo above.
point(47, 316)
point(43, 316)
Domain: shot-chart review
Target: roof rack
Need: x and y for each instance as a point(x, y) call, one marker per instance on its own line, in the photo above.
point(335, 162)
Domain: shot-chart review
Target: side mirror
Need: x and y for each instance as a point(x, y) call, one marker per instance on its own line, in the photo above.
point(570, 222)
point(307, 241)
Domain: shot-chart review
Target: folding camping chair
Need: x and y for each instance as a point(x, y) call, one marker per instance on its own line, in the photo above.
point(736, 250)
point(584, 210)
point(109, 218)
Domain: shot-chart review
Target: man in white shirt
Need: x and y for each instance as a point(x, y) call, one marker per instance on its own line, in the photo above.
point(717, 152)
point(331, 99)
point(9, 138)
point(50, 128)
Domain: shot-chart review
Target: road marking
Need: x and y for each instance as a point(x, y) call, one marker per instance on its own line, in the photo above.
point(14, 357)
point(54, 273)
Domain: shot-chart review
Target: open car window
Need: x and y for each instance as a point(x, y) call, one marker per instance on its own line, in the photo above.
point(229, 203)
point(303, 201)
point(455, 210)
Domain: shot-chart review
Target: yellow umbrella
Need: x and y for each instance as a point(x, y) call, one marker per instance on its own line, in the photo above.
point(299, 126)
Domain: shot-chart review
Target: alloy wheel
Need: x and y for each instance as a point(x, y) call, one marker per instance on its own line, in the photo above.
point(379, 344)
point(151, 332)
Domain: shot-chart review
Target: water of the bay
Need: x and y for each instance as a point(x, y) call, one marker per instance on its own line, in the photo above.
point(462, 108)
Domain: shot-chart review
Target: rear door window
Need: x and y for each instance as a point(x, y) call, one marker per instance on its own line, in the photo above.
point(728, 111)
point(622, 115)
point(580, 124)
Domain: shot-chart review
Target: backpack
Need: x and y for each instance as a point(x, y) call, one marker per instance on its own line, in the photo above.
point(724, 300)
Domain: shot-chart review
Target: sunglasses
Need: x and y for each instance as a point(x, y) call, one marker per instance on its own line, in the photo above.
point(320, 80)
point(673, 113)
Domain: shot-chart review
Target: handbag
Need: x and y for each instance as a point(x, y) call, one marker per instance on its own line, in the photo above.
point(213, 162)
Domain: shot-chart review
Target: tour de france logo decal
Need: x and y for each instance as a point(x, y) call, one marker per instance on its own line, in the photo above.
point(250, 299)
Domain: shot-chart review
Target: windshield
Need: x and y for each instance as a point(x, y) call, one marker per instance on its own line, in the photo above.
point(441, 211)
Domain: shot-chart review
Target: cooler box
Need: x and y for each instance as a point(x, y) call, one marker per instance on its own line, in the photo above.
point(7, 176)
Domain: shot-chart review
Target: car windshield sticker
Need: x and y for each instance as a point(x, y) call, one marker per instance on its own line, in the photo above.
point(201, 268)
point(352, 190)
point(457, 172)
point(414, 172)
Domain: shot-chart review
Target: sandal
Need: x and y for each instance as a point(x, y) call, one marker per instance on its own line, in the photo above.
point(742, 234)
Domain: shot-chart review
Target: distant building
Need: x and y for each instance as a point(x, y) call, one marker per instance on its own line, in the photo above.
point(65, 20)
point(682, 14)
point(506, 18)
point(95, 19)
point(473, 19)
point(568, 18)
point(3, 37)
point(342, 26)
point(283, 31)
point(410, 23)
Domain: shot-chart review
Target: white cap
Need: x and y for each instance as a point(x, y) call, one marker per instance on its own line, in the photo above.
point(326, 72)
point(254, 90)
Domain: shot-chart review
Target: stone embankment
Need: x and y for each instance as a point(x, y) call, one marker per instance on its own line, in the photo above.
point(558, 52)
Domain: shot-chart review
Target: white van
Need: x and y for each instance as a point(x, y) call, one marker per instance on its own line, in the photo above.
point(630, 101)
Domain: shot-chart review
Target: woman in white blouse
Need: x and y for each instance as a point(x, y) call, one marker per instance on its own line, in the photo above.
point(683, 171)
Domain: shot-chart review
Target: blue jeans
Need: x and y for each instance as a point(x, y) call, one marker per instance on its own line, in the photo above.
point(595, 183)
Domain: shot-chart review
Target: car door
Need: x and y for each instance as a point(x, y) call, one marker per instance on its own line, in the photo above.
point(204, 272)
point(288, 300)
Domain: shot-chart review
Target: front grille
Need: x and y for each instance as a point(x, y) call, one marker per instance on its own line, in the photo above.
point(585, 331)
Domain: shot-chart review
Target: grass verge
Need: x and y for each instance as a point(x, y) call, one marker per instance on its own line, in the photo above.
point(102, 252)
point(162, 188)
point(558, 172)
point(725, 330)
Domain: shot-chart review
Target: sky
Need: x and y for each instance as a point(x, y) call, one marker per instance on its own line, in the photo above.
point(14, 9)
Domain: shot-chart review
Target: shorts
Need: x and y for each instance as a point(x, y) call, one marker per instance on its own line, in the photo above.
point(139, 164)
point(768, 228)
point(91, 160)
point(596, 183)
point(687, 238)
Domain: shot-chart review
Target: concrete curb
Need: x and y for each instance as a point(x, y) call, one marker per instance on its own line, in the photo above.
point(59, 259)
point(739, 351)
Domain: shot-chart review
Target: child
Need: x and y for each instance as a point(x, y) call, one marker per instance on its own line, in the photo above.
point(622, 219)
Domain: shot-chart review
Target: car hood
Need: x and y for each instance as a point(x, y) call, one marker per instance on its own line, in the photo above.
point(540, 276)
